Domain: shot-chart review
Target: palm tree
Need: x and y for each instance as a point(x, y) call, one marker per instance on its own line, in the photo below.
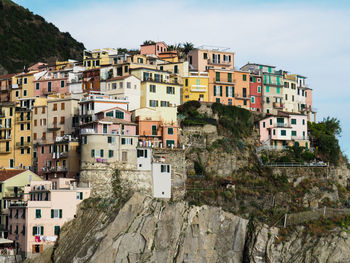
point(148, 42)
point(187, 47)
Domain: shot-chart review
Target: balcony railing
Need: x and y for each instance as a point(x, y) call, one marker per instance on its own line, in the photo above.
point(2, 114)
point(3, 139)
point(4, 151)
point(241, 96)
point(55, 169)
point(24, 119)
point(299, 138)
point(3, 127)
point(218, 62)
point(278, 105)
point(23, 144)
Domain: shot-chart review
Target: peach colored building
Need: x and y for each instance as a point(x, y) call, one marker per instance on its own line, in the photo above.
point(284, 129)
point(154, 48)
point(51, 82)
point(203, 59)
point(157, 127)
point(229, 87)
point(35, 222)
point(5, 87)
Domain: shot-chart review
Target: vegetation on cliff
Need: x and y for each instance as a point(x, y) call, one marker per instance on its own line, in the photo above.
point(26, 38)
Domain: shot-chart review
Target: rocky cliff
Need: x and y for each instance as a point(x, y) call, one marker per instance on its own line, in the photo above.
point(148, 230)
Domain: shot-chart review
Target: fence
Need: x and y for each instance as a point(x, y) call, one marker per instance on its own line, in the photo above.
point(302, 217)
point(319, 164)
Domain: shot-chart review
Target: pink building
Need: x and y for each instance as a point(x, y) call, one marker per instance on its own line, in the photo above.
point(35, 222)
point(154, 48)
point(284, 129)
point(51, 82)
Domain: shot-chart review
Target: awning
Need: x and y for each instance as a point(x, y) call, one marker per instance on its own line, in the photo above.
point(5, 241)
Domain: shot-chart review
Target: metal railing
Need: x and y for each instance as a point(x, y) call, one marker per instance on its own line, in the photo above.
point(315, 164)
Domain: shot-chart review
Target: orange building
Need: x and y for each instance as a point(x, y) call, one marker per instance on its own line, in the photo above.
point(157, 127)
point(229, 87)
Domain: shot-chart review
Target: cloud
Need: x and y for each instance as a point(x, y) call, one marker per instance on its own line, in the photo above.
point(306, 39)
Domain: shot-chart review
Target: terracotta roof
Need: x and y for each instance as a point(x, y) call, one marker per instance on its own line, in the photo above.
point(116, 121)
point(7, 76)
point(119, 78)
point(9, 173)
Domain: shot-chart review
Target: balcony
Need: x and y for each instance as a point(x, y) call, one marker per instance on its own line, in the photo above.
point(54, 169)
point(198, 88)
point(12, 195)
point(19, 119)
point(281, 125)
point(5, 139)
point(219, 62)
point(300, 138)
point(278, 105)
point(5, 151)
point(241, 96)
point(60, 155)
point(54, 127)
point(2, 114)
point(23, 144)
point(218, 81)
point(7, 127)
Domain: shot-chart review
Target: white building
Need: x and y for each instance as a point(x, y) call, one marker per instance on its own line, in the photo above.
point(161, 180)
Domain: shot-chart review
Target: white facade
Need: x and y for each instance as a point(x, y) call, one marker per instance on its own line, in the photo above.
point(144, 158)
point(125, 87)
point(161, 180)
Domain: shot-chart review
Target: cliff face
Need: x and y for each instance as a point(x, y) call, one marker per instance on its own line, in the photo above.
point(146, 230)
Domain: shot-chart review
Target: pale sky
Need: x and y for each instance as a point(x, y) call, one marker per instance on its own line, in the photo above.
point(311, 38)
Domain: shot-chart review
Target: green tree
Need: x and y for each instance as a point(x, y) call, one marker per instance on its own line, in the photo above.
point(187, 47)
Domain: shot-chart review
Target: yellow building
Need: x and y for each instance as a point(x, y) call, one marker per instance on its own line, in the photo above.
point(23, 86)
point(156, 88)
point(98, 57)
point(178, 70)
point(7, 123)
point(12, 184)
point(16, 136)
point(59, 65)
point(195, 87)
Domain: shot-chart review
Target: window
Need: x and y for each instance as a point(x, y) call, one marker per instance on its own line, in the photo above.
point(153, 103)
point(25, 93)
point(278, 90)
point(165, 168)
point(37, 86)
point(55, 106)
point(230, 102)
point(263, 124)
point(62, 120)
point(229, 77)
point(294, 133)
point(253, 99)
point(25, 80)
point(176, 70)
point(120, 85)
point(293, 121)
point(164, 103)
point(217, 90)
point(110, 153)
point(142, 153)
point(63, 106)
point(57, 230)
point(49, 86)
point(217, 77)
point(154, 129)
point(38, 213)
point(22, 151)
point(244, 77)
point(186, 82)
point(128, 85)
point(126, 141)
point(101, 153)
point(267, 89)
point(56, 213)
point(259, 89)
point(170, 131)
point(62, 83)
point(22, 127)
point(119, 114)
point(28, 138)
point(283, 133)
point(170, 90)
point(205, 55)
point(109, 139)
point(124, 156)
point(230, 91)
point(190, 59)
point(267, 100)
point(43, 110)
point(79, 195)
point(303, 122)
point(92, 153)
point(152, 88)
point(170, 143)
point(38, 230)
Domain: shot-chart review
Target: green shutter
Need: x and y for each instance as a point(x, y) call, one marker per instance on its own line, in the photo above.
point(269, 79)
point(34, 230)
point(42, 231)
point(221, 91)
point(226, 91)
point(214, 90)
point(52, 213)
point(60, 213)
point(81, 195)
point(233, 91)
point(278, 90)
